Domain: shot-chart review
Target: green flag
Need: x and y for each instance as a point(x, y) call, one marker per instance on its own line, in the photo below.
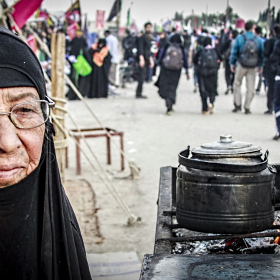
point(128, 18)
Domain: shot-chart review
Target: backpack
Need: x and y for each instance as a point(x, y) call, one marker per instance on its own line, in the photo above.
point(173, 58)
point(208, 62)
point(249, 56)
point(228, 51)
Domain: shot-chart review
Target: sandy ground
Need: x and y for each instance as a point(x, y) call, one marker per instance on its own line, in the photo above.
point(153, 140)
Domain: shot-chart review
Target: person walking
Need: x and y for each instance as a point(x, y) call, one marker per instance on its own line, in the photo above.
point(171, 58)
point(269, 73)
point(208, 61)
point(246, 55)
point(258, 32)
point(145, 58)
point(226, 49)
point(275, 67)
point(196, 46)
point(113, 45)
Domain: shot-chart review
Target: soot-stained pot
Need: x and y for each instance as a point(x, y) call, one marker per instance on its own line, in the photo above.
point(225, 187)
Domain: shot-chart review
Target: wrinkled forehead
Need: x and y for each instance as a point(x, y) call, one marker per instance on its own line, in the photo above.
point(18, 94)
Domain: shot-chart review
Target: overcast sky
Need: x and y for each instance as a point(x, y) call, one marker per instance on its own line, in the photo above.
point(155, 10)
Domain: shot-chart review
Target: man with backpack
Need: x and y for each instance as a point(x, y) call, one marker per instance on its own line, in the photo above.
point(196, 47)
point(208, 61)
point(246, 56)
point(226, 49)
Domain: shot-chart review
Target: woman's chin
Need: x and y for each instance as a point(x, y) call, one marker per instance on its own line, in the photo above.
point(10, 177)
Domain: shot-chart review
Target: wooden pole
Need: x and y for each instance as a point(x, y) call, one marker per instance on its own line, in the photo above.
point(58, 94)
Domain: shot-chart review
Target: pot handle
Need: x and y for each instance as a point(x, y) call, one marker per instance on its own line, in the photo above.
point(222, 167)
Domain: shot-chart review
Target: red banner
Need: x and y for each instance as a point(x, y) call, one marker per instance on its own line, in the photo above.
point(100, 19)
point(24, 9)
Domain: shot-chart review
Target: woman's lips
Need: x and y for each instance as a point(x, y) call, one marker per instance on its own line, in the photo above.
point(6, 173)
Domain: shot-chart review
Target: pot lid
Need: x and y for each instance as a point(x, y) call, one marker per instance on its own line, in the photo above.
point(226, 146)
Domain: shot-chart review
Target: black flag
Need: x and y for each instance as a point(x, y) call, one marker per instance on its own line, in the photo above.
point(115, 9)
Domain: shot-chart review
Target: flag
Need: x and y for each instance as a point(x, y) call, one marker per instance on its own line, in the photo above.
point(40, 14)
point(117, 6)
point(73, 14)
point(24, 9)
point(72, 29)
point(31, 41)
point(44, 15)
point(166, 25)
point(128, 18)
point(133, 28)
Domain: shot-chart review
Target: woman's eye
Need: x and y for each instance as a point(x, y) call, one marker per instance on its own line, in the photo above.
point(25, 110)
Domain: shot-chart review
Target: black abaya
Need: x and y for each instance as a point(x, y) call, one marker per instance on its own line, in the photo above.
point(98, 79)
point(167, 83)
point(168, 80)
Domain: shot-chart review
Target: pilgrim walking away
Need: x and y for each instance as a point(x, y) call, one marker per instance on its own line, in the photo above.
point(171, 58)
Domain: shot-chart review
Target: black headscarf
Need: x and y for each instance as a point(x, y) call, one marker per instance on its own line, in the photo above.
point(39, 234)
point(102, 42)
point(176, 38)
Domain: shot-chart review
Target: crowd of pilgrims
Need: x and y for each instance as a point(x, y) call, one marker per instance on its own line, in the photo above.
point(164, 55)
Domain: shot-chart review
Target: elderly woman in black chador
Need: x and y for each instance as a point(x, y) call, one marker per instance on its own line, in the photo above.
point(172, 58)
point(39, 236)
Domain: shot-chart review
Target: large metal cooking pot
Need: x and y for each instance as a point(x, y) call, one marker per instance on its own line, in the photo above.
point(225, 187)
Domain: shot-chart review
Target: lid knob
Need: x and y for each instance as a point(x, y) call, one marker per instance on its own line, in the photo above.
point(227, 138)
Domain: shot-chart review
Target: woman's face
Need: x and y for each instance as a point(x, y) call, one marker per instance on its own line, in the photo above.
point(20, 149)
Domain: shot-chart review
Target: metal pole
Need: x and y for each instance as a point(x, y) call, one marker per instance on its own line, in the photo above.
point(118, 17)
point(206, 20)
point(193, 20)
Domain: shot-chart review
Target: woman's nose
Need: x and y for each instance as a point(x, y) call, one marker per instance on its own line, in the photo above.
point(9, 140)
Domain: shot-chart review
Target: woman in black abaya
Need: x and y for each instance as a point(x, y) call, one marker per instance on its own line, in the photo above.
point(39, 237)
point(168, 80)
point(100, 61)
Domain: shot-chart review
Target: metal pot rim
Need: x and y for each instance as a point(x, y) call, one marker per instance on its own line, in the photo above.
point(226, 146)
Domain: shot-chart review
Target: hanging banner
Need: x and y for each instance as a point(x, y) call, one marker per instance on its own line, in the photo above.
point(100, 19)
point(240, 23)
